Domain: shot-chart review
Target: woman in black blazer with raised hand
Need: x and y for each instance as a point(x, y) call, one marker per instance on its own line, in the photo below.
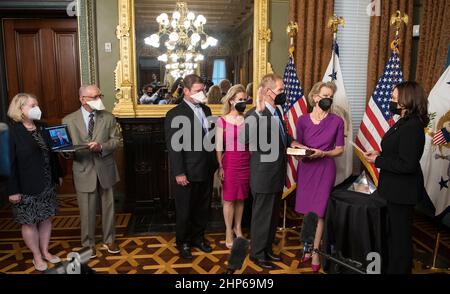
point(35, 171)
point(401, 180)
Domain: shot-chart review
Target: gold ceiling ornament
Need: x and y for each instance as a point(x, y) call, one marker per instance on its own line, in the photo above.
point(397, 20)
point(183, 37)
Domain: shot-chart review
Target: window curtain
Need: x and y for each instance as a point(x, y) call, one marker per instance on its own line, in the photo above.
point(434, 42)
point(314, 39)
point(381, 36)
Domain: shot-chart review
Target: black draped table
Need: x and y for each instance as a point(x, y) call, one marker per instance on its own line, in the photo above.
point(355, 225)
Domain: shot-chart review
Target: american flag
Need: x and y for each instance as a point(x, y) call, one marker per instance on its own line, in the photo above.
point(441, 137)
point(294, 107)
point(378, 119)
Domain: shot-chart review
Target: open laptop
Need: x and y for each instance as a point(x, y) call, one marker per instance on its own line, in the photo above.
point(60, 140)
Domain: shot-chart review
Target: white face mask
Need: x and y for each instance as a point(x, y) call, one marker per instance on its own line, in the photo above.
point(96, 104)
point(35, 113)
point(200, 97)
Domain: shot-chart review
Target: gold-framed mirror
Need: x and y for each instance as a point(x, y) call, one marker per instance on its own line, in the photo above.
point(131, 67)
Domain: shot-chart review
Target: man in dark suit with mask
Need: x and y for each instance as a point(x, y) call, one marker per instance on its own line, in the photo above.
point(192, 165)
point(268, 140)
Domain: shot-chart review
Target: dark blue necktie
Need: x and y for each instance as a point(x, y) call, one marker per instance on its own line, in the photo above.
point(280, 126)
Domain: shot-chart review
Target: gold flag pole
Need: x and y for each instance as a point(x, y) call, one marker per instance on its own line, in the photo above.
point(397, 19)
point(333, 23)
point(291, 31)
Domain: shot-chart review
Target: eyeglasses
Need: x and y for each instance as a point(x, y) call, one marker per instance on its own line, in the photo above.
point(331, 97)
point(95, 97)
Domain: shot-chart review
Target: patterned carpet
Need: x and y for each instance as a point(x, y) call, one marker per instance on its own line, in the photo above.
point(146, 254)
point(156, 254)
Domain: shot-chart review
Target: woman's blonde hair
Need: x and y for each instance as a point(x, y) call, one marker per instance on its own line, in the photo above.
point(214, 95)
point(234, 90)
point(15, 107)
point(316, 90)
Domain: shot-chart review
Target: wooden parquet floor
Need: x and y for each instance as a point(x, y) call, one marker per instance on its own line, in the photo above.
point(156, 253)
point(145, 254)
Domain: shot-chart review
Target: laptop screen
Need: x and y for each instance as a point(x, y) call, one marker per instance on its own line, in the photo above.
point(59, 137)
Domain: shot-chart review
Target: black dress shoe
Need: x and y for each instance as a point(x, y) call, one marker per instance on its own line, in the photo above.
point(185, 251)
point(203, 246)
point(270, 256)
point(262, 263)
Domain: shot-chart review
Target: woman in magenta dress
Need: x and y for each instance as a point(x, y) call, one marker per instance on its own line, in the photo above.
point(234, 160)
point(323, 132)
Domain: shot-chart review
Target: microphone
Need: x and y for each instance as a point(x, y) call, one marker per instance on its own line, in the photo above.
point(308, 232)
point(238, 254)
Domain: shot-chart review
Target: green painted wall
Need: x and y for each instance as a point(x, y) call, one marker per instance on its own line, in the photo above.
point(278, 47)
point(107, 20)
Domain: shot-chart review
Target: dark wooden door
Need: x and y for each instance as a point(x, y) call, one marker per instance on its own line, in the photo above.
point(42, 59)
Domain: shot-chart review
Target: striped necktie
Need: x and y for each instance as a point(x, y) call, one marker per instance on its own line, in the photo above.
point(91, 125)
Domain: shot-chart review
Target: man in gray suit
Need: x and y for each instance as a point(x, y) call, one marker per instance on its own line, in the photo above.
point(94, 169)
point(267, 136)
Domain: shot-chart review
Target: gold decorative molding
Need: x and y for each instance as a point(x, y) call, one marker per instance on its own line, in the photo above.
point(125, 73)
point(260, 55)
point(125, 69)
point(265, 35)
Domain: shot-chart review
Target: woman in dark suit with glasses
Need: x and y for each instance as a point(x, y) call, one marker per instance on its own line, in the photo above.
point(401, 180)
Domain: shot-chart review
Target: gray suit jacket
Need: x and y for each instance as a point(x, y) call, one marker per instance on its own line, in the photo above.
point(266, 176)
point(89, 166)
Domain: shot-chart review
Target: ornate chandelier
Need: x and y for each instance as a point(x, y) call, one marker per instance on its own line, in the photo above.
point(183, 37)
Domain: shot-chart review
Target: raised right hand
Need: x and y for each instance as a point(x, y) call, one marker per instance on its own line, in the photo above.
point(260, 105)
point(16, 198)
point(182, 180)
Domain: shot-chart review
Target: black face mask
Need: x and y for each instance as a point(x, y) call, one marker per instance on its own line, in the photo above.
point(240, 106)
point(325, 104)
point(393, 108)
point(280, 99)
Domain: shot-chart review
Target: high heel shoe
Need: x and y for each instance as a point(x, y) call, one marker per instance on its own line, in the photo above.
point(41, 267)
point(305, 258)
point(235, 233)
point(315, 267)
point(229, 244)
point(55, 259)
